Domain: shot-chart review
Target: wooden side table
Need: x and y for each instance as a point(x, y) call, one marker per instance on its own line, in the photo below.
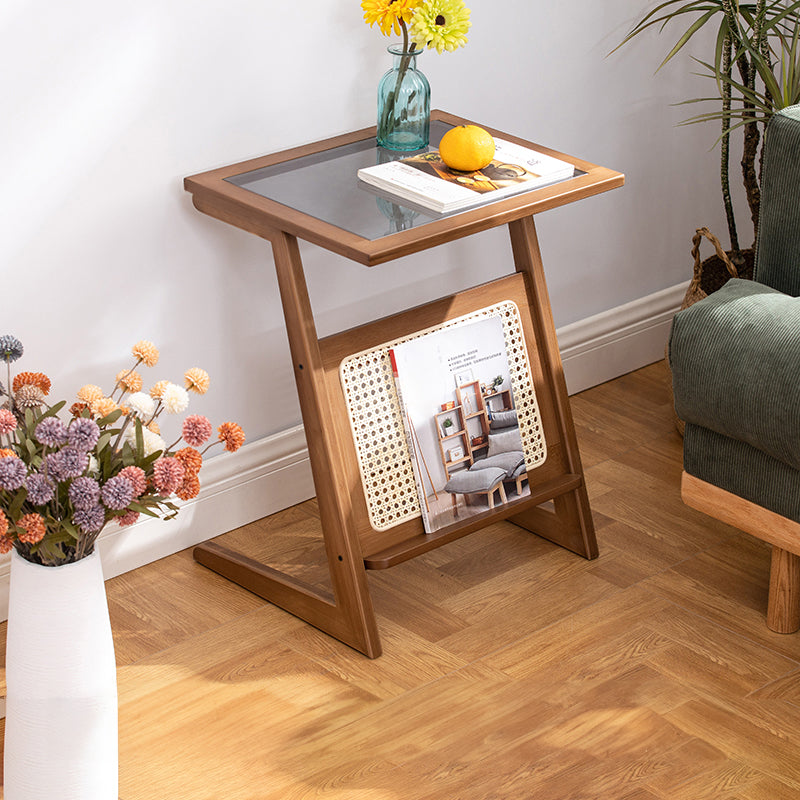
point(312, 193)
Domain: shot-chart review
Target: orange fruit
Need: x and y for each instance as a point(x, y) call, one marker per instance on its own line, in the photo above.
point(467, 148)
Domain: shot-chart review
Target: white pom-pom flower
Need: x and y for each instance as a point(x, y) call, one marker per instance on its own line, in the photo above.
point(142, 405)
point(175, 398)
point(152, 442)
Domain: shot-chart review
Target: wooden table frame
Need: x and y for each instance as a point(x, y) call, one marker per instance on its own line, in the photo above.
point(352, 545)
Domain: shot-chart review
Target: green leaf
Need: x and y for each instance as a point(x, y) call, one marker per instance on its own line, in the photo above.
point(30, 446)
point(102, 442)
point(147, 462)
point(139, 438)
point(16, 504)
point(53, 410)
point(71, 531)
point(142, 509)
point(109, 419)
point(691, 31)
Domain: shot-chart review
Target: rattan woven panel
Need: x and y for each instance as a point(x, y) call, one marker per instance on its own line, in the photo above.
point(376, 418)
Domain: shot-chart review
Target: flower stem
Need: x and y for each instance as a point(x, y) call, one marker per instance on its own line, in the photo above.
point(115, 446)
point(126, 375)
point(388, 110)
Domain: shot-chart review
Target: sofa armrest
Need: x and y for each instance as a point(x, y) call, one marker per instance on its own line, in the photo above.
point(735, 359)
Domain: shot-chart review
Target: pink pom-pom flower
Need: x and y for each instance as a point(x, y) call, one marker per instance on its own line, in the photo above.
point(168, 474)
point(196, 430)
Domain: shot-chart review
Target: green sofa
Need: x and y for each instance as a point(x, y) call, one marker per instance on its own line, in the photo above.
point(735, 360)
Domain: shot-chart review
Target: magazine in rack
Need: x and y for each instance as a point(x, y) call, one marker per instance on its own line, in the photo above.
point(459, 415)
point(425, 180)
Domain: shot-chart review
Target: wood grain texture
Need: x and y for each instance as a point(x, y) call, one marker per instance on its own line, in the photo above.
point(349, 616)
point(511, 668)
point(215, 196)
point(783, 609)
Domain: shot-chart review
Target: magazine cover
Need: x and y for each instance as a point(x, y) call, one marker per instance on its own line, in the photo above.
point(426, 180)
point(496, 175)
point(461, 421)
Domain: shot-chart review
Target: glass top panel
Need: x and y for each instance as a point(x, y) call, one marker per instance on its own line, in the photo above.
point(325, 186)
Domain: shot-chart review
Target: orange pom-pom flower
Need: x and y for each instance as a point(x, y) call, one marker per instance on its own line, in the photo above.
point(197, 380)
point(38, 379)
point(191, 459)
point(146, 352)
point(232, 435)
point(90, 393)
point(158, 389)
point(33, 528)
point(130, 380)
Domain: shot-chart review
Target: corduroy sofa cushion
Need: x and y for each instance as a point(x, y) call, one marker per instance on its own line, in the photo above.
point(778, 246)
point(743, 470)
point(735, 359)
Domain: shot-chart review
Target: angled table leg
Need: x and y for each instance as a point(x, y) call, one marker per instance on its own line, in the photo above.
point(349, 617)
point(570, 525)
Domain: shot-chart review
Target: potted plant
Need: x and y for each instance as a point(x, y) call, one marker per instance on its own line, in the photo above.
point(755, 70)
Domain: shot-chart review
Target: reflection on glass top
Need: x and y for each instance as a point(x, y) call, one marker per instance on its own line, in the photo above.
point(325, 186)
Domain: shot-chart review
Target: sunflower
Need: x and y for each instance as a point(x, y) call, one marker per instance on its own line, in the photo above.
point(388, 14)
point(441, 24)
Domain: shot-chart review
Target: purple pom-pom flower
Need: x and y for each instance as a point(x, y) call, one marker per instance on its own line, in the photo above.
point(117, 493)
point(83, 433)
point(84, 493)
point(51, 432)
point(90, 520)
point(54, 463)
point(68, 462)
point(12, 473)
point(40, 489)
point(10, 348)
point(74, 461)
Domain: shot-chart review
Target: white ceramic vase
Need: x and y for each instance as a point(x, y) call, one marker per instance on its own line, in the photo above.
point(61, 737)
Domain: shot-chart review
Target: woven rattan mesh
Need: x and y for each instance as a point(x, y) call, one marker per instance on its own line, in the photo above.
point(376, 418)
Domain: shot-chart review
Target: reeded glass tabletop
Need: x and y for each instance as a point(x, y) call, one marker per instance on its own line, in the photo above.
point(325, 186)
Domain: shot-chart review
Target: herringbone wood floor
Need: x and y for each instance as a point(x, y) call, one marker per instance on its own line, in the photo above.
point(511, 668)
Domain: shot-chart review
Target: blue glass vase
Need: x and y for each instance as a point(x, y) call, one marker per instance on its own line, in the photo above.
point(404, 103)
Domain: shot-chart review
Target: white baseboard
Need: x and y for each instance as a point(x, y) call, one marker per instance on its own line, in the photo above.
point(260, 479)
point(274, 473)
point(607, 345)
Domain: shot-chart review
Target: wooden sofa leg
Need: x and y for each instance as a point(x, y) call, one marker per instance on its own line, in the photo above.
point(783, 610)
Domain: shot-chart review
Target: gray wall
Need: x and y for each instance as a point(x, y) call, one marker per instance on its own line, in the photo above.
point(108, 106)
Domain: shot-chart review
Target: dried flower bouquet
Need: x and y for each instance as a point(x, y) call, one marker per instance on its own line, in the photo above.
point(62, 482)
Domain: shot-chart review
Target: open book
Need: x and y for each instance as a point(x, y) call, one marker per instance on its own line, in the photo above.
point(425, 180)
